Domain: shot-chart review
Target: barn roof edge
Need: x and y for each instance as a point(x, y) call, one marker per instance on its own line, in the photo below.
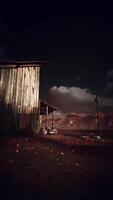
point(17, 63)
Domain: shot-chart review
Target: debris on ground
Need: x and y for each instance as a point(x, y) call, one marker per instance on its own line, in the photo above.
point(98, 137)
point(37, 170)
point(62, 153)
point(77, 164)
point(17, 151)
point(73, 140)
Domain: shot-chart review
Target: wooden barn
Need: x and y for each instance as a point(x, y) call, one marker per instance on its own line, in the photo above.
point(19, 95)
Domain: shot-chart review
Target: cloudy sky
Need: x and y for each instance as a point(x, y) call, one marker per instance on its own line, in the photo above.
point(77, 41)
point(82, 100)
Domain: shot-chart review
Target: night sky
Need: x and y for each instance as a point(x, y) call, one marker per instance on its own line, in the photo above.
point(75, 39)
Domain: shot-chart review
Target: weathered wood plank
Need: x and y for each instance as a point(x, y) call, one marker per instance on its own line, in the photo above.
point(19, 92)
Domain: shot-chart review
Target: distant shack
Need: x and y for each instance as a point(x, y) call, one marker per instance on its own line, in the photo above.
point(19, 95)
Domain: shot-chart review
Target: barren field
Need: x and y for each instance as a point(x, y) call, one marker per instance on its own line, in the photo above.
point(50, 168)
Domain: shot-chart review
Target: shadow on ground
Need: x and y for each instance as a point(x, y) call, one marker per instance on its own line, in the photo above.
point(101, 188)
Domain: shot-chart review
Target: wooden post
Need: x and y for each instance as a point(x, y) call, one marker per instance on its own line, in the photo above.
point(46, 116)
point(53, 118)
point(98, 116)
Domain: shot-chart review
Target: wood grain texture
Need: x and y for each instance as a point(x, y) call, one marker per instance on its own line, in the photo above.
point(19, 97)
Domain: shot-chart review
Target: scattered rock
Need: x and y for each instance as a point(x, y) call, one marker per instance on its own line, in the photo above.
point(17, 151)
point(62, 153)
point(98, 137)
point(84, 137)
point(77, 164)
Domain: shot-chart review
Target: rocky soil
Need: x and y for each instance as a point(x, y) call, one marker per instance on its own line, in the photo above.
point(45, 168)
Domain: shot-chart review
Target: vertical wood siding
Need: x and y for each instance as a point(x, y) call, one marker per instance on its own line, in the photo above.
point(19, 97)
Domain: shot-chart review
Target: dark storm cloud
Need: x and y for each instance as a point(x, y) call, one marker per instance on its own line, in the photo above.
point(76, 99)
point(108, 90)
point(110, 74)
point(73, 99)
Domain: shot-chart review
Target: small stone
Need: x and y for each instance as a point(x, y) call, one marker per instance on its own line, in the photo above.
point(62, 153)
point(26, 139)
point(36, 152)
point(17, 145)
point(77, 164)
point(17, 151)
point(73, 151)
point(98, 137)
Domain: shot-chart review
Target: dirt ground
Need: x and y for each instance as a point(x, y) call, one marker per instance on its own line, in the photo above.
point(43, 168)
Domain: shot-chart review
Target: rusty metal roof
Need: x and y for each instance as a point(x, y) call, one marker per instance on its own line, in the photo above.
point(14, 64)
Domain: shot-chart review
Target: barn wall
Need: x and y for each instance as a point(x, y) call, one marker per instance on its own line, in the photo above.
point(19, 97)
